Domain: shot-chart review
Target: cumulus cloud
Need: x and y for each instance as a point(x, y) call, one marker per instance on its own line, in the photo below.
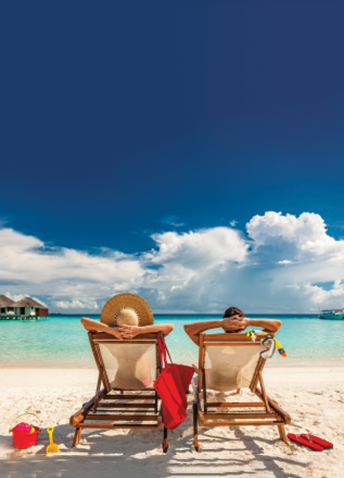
point(195, 250)
point(331, 297)
point(277, 268)
point(76, 304)
point(17, 297)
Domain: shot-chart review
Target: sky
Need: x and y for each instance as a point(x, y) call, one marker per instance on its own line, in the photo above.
point(190, 152)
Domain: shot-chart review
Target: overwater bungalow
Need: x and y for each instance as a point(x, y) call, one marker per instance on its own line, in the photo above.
point(6, 306)
point(23, 309)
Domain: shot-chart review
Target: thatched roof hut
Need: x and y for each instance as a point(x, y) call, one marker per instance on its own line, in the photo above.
point(6, 302)
point(28, 302)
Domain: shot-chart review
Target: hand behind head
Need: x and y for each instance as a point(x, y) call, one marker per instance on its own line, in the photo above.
point(236, 323)
point(128, 331)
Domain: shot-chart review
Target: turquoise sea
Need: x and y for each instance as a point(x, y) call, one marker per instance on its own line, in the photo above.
point(62, 341)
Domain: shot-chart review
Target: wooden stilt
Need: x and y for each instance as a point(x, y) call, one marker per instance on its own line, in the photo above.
point(282, 434)
point(165, 444)
point(195, 426)
point(77, 436)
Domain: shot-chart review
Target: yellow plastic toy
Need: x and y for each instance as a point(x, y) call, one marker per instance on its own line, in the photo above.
point(52, 448)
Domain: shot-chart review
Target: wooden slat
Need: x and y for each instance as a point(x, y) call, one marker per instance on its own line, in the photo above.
point(104, 335)
point(130, 397)
point(245, 415)
point(240, 423)
point(230, 338)
point(121, 342)
point(122, 418)
point(124, 425)
point(148, 389)
point(234, 404)
point(126, 405)
point(234, 344)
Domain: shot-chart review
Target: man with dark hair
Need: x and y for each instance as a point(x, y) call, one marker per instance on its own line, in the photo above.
point(233, 320)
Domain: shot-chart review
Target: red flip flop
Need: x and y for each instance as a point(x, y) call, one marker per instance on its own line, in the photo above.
point(318, 440)
point(305, 442)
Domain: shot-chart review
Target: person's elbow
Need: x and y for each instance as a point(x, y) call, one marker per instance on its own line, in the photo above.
point(168, 329)
point(194, 337)
point(277, 325)
point(88, 324)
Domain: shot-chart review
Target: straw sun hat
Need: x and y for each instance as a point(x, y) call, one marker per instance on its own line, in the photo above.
point(129, 309)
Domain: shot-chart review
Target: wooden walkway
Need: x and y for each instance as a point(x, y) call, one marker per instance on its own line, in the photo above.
point(22, 317)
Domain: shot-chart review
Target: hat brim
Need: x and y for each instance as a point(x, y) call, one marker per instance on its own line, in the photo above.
point(127, 299)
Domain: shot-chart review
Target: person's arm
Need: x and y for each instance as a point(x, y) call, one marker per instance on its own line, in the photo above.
point(230, 324)
point(193, 330)
point(270, 326)
point(94, 326)
point(130, 331)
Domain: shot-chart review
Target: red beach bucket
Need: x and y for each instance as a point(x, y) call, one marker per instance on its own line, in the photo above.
point(22, 434)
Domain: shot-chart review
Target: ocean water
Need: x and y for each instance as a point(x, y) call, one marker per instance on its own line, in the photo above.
point(63, 342)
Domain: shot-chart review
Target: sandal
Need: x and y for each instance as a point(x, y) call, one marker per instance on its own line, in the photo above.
point(301, 440)
point(318, 440)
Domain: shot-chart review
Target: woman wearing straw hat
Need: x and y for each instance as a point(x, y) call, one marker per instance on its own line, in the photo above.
point(125, 316)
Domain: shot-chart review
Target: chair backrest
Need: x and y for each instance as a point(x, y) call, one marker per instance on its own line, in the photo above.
point(229, 361)
point(132, 364)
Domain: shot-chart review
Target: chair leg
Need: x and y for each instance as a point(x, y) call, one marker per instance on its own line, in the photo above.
point(165, 444)
point(282, 434)
point(195, 426)
point(77, 436)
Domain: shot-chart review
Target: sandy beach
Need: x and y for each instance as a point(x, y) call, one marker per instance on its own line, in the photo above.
point(313, 394)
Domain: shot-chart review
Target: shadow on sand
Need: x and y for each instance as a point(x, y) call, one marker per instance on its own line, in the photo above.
point(139, 453)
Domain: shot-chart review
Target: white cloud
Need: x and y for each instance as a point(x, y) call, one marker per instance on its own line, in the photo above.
point(205, 270)
point(199, 249)
point(76, 304)
point(17, 297)
point(172, 221)
point(332, 297)
point(233, 222)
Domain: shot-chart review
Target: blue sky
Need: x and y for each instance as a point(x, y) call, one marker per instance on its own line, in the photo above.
point(123, 122)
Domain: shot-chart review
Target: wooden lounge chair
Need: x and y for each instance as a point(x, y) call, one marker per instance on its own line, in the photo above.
point(231, 362)
point(127, 370)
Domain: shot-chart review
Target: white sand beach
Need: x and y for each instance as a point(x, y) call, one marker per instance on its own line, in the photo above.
point(312, 394)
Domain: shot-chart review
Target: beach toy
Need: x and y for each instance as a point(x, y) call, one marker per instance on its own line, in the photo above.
point(52, 448)
point(24, 435)
point(252, 334)
point(280, 349)
point(318, 440)
point(300, 440)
